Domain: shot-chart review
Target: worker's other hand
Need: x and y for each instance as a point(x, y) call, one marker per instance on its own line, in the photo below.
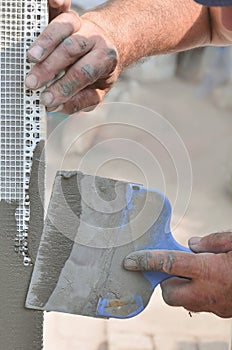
point(207, 285)
point(56, 7)
point(81, 50)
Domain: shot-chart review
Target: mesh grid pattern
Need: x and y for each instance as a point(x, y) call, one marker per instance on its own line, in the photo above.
point(21, 21)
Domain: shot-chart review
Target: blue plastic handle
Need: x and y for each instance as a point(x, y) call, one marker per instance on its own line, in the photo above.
point(158, 238)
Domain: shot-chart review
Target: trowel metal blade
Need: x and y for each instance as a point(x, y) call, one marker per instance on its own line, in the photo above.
point(92, 223)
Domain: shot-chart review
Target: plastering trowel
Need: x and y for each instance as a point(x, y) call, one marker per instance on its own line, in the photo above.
point(92, 223)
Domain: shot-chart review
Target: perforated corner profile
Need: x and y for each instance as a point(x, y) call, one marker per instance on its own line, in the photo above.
point(21, 22)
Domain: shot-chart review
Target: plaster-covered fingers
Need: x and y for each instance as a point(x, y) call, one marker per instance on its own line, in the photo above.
point(182, 292)
point(172, 262)
point(220, 242)
point(58, 30)
point(86, 100)
point(206, 294)
point(188, 294)
point(69, 51)
point(94, 66)
point(177, 291)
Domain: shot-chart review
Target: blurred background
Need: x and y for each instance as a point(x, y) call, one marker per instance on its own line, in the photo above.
point(166, 124)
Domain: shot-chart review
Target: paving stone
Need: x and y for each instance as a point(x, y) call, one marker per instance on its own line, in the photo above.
point(216, 345)
point(172, 342)
point(186, 346)
point(187, 343)
point(201, 346)
point(73, 332)
point(130, 341)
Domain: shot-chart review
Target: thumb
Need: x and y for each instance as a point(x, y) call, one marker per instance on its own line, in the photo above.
point(220, 242)
point(169, 261)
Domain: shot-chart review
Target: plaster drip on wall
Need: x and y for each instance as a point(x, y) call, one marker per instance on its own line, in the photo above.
point(21, 329)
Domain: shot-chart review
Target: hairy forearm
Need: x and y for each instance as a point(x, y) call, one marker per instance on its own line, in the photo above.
point(149, 27)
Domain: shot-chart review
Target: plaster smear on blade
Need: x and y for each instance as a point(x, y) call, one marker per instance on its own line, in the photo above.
point(86, 266)
point(90, 272)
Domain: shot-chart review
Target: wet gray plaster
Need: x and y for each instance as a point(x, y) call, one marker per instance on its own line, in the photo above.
point(81, 254)
point(36, 194)
point(58, 246)
point(20, 328)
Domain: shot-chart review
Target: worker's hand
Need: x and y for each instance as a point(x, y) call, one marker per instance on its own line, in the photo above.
point(56, 7)
point(87, 57)
point(221, 25)
point(207, 285)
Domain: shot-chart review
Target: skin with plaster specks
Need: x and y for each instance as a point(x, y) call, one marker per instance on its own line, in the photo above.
point(116, 35)
point(207, 281)
point(114, 38)
point(68, 87)
point(88, 70)
point(92, 61)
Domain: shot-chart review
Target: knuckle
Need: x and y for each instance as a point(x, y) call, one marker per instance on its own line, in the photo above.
point(74, 74)
point(110, 59)
point(143, 261)
point(168, 263)
point(75, 46)
point(89, 72)
point(73, 16)
point(48, 37)
point(68, 87)
point(204, 265)
point(46, 70)
point(112, 54)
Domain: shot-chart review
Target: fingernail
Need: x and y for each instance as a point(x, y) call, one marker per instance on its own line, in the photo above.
point(194, 241)
point(46, 98)
point(31, 81)
point(130, 263)
point(36, 52)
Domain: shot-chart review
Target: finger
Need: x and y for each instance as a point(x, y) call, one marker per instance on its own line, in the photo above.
point(169, 261)
point(86, 99)
point(59, 29)
point(226, 16)
point(181, 292)
point(90, 68)
point(56, 7)
point(220, 242)
point(72, 48)
point(186, 293)
point(176, 291)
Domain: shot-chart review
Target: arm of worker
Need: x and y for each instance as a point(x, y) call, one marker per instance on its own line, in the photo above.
point(207, 285)
point(93, 50)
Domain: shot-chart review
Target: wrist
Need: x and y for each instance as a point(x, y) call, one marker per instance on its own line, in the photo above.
point(94, 18)
point(109, 29)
